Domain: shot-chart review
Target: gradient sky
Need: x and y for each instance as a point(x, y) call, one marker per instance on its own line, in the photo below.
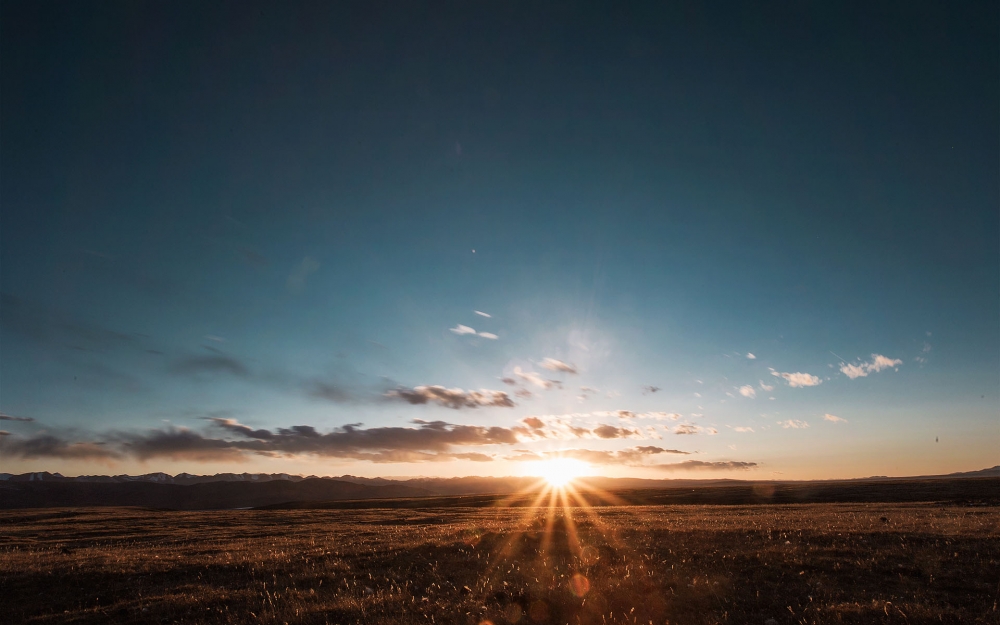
point(708, 240)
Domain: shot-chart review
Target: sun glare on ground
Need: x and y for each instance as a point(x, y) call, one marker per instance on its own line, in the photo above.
point(559, 472)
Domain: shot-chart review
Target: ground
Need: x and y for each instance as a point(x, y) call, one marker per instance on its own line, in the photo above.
point(814, 563)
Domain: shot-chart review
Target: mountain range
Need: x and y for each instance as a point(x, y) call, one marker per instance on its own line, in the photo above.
point(244, 490)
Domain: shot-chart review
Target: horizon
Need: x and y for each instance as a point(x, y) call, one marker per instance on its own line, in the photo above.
point(574, 480)
point(645, 242)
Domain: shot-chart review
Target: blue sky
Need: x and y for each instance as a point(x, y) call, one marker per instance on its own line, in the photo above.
point(289, 217)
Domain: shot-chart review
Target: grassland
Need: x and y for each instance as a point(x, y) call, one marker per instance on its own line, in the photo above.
point(814, 563)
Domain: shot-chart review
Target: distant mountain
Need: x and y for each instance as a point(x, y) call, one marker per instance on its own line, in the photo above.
point(242, 490)
point(215, 495)
point(185, 478)
point(991, 472)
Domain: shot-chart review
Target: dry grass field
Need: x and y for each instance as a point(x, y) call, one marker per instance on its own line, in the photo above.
point(816, 563)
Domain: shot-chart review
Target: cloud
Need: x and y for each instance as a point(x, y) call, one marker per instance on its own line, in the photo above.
point(610, 431)
point(482, 314)
point(7, 417)
point(557, 365)
point(743, 429)
point(793, 424)
point(701, 465)
point(796, 380)
point(633, 456)
point(50, 446)
point(533, 422)
point(196, 365)
point(429, 441)
point(833, 418)
point(650, 389)
point(488, 335)
point(876, 364)
point(452, 398)
point(460, 329)
point(232, 425)
point(628, 414)
point(751, 356)
point(765, 387)
point(297, 277)
point(534, 378)
point(687, 428)
point(748, 391)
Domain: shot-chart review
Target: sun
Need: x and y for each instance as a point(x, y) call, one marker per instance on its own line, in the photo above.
point(559, 472)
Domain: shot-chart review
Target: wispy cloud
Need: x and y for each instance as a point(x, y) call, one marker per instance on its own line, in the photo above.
point(765, 387)
point(464, 329)
point(534, 378)
point(796, 380)
point(557, 365)
point(650, 389)
point(748, 391)
point(297, 278)
point(482, 314)
point(703, 465)
point(877, 363)
point(197, 365)
point(7, 417)
point(833, 418)
point(793, 424)
point(687, 428)
point(751, 356)
point(328, 392)
point(451, 397)
point(743, 429)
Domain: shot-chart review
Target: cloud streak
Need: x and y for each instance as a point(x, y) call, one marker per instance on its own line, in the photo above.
point(454, 398)
point(7, 417)
point(557, 365)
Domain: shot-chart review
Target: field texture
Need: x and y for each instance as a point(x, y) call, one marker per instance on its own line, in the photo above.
point(817, 563)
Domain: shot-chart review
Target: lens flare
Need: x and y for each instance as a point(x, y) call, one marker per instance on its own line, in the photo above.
point(559, 472)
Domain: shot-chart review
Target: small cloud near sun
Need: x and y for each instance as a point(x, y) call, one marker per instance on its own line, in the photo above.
point(751, 356)
point(482, 314)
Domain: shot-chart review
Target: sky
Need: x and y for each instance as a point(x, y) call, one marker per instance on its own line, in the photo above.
point(700, 240)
